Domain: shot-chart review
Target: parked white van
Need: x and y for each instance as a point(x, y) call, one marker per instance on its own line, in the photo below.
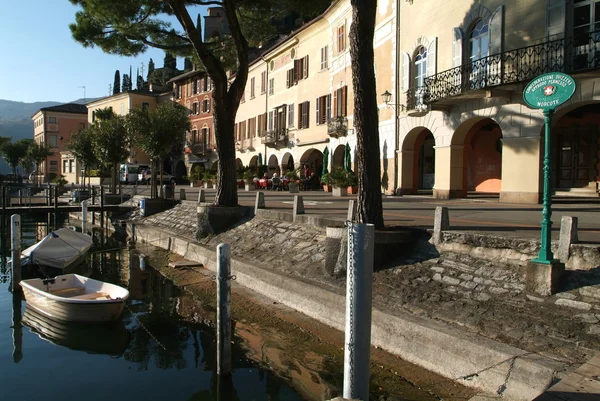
point(128, 173)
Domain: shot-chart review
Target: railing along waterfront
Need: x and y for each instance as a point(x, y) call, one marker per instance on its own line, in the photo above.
point(575, 54)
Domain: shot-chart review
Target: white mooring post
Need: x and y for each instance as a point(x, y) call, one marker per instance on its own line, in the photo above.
point(359, 278)
point(15, 251)
point(84, 216)
point(223, 310)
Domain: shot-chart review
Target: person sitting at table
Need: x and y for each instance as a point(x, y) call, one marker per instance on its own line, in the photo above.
point(311, 183)
point(276, 184)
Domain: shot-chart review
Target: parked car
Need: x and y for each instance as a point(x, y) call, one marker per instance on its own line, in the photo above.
point(145, 177)
point(129, 172)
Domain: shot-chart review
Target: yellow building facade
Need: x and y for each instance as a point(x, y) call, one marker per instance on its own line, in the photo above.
point(299, 99)
point(464, 127)
point(454, 123)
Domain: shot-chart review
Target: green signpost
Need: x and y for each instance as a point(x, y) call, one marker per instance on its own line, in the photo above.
point(546, 92)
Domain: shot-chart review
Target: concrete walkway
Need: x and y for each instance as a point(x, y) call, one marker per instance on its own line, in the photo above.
point(483, 214)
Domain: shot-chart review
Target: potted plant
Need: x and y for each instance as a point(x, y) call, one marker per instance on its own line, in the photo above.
point(195, 177)
point(338, 179)
point(327, 187)
point(293, 178)
point(352, 183)
point(209, 179)
point(249, 180)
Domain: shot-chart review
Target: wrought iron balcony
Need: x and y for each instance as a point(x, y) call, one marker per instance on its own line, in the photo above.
point(276, 138)
point(337, 126)
point(416, 101)
point(201, 148)
point(575, 54)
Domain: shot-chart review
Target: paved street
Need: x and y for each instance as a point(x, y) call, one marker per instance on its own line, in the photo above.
point(482, 214)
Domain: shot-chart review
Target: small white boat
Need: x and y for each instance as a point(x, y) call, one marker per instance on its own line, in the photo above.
point(75, 298)
point(59, 249)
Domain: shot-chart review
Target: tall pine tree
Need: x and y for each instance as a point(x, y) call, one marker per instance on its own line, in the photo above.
point(139, 84)
point(126, 83)
point(117, 83)
point(150, 70)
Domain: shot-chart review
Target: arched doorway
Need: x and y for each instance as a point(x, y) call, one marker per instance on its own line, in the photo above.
point(253, 164)
point(480, 160)
point(313, 158)
point(180, 169)
point(483, 158)
point(273, 166)
point(575, 149)
point(337, 160)
point(418, 161)
point(287, 161)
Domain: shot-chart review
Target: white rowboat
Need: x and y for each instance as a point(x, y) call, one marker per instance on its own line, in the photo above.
point(59, 249)
point(75, 298)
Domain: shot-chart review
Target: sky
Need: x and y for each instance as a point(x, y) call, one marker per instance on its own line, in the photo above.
point(42, 62)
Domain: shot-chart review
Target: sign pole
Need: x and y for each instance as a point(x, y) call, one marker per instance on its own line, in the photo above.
point(546, 92)
point(545, 255)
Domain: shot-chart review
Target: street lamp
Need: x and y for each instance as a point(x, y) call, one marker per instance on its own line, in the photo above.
point(387, 97)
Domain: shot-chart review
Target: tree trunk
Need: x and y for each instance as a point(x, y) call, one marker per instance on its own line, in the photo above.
point(114, 179)
point(224, 115)
point(366, 118)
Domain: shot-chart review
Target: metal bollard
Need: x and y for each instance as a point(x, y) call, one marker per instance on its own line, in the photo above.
point(15, 252)
point(359, 278)
point(84, 216)
point(223, 310)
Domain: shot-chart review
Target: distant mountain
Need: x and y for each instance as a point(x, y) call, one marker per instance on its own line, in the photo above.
point(16, 122)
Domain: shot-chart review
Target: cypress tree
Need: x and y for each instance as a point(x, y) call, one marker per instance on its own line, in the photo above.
point(117, 83)
point(150, 70)
point(140, 81)
point(170, 61)
point(126, 83)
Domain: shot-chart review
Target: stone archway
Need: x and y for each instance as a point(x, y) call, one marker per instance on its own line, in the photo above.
point(313, 158)
point(575, 145)
point(337, 159)
point(417, 161)
point(273, 166)
point(476, 157)
point(287, 162)
point(180, 169)
point(253, 164)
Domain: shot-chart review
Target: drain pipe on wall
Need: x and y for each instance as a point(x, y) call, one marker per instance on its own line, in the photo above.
point(397, 190)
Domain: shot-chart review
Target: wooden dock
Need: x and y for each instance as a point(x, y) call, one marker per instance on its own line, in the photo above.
point(581, 385)
point(63, 208)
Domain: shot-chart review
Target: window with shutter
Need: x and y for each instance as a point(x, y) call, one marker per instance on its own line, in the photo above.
point(271, 121)
point(431, 58)
point(555, 19)
point(305, 67)
point(290, 115)
point(263, 82)
point(271, 86)
point(405, 72)
point(496, 33)
point(252, 82)
point(457, 44)
point(324, 57)
point(318, 109)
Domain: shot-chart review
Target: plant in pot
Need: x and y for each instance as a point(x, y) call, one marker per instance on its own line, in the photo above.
point(352, 183)
point(327, 187)
point(249, 179)
point(338, 179)
point(195, 177)
point(209, 179)
point(292, 184)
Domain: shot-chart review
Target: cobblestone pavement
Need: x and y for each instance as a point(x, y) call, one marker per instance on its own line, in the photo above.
point(486, 297)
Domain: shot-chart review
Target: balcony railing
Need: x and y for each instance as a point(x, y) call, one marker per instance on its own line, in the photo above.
point(276, 138)
point(200, 148)
point(337, 126)
point(575, 54)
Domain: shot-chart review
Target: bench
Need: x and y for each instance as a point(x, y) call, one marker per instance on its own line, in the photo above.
point(93, 295)
point(62, 291)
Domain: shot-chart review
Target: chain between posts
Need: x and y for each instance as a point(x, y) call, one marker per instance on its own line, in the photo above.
point(350, 279)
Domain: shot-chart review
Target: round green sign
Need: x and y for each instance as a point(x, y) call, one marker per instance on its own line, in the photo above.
point(549, 90)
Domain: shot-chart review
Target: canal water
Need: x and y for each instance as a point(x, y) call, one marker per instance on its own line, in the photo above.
point(163, 347)
point(150, 354)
